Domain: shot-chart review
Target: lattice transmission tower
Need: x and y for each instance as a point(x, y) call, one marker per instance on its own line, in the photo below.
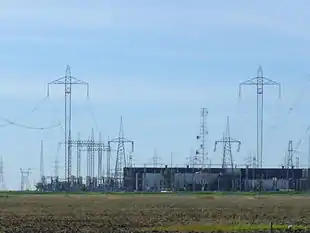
point(68, 81)
point(92, 153)
point(24, 180)
point(2, 183)
point(156, 160)
point(227, 141)
point(120, 154)
point(291, 152)
point(41, 162)
point(78, 156)
point(202, 153)
point(56, 161)
point(289, 162)
point(308, 153)
point(260, 81)
point(297, 162)
point(100, 158)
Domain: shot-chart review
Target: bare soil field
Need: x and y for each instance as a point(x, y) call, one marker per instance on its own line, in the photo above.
point(153, 213)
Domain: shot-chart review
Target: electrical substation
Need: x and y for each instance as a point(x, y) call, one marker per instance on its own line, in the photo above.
point(199, 174)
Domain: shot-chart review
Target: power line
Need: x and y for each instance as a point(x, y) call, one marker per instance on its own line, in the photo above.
point(294, 104)
point(34, 109)
point(93, 116)
point(28, 126)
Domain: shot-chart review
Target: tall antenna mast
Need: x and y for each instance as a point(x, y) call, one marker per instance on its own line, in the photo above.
point(260, 81)
point(202, 137)
point(68, 81)
point(227, 141)
point(120, 153)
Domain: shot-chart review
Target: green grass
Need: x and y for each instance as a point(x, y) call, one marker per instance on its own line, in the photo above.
point(223, 228)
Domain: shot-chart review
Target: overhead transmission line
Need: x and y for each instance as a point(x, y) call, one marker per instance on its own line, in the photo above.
point(292, 107)
point(89, 108)
point(30, 127)
point(37, 106)
point(15, 122)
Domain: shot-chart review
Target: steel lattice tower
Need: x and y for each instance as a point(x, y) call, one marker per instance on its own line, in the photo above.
point(227, 142)
point(297, 162)
point(42, 161)
point(120, 154)
point(129, 163)
point(260, 81)
point(56, 161)
point(309, 153)
point(92, 153)
point(202, 153)
point(2, 183)
point(156, 159)
point(100, 157)
point(109, 149)
point(68, 81)
point(78, 156)
point(88, 171)
point(24, 181)
point(193, 159)
point(290, 155)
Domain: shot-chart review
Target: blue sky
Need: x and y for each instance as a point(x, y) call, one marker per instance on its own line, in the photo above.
point(156, 63)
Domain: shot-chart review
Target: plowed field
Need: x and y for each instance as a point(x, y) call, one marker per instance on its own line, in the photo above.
point(153, 213)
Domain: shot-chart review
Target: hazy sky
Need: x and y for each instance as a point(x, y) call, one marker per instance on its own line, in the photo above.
point(156, 63)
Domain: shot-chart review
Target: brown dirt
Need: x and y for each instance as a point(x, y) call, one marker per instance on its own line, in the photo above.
point(95, 213)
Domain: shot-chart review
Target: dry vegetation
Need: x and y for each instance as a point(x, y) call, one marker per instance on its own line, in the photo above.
point(132, 213)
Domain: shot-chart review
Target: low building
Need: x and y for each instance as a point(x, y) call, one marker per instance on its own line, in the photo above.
point(156, 179)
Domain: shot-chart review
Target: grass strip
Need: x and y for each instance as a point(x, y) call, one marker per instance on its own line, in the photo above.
point(224, 228)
